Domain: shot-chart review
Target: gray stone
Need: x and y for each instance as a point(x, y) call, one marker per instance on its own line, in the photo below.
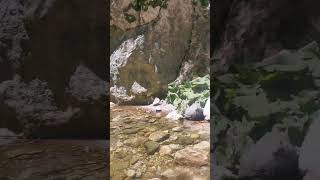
point(194, 112)
point(137, 88)
point(87, 86)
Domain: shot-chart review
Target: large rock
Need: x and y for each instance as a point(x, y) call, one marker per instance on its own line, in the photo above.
point(33, 106)
point(309, 159)
point(272, 157)
point(44, 42)
point(194, 112)
point(191, 156)
point(154, 54)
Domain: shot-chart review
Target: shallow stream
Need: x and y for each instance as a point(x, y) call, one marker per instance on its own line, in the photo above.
point(146, 146)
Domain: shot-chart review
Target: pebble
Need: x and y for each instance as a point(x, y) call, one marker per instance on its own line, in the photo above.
point(151, 147)
point(165, 150)
point(175, 146)
point(195, 136)
point(159, 136)
point(131, 173)
point(138, 173)
point(177, 129)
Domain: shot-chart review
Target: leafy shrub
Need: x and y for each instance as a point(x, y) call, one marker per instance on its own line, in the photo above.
point(187, 93)
point(202, 2)
point(139, 5)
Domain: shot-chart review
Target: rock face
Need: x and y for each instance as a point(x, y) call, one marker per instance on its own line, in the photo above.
point(269, 76)
point(261, 28)
point(150, 45)
point(53, 68)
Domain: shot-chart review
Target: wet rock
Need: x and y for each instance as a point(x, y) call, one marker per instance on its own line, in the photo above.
point(192, 157)
point(177, 129)
point(175, 147)
point(309, 159)
point(184, 140)
point(159, 136)
point(131, 131)
point(194, 136)
point(165, 150)
point(203, 145)
point(272, 157)
point(151, 147)
point(174, 115)
point(169, 173)
point(194, 112)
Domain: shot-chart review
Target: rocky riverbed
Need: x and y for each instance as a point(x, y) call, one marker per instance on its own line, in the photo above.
point(54, 159)
point(148, 146)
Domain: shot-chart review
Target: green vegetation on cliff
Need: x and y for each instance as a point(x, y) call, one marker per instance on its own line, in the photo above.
point(189, 92)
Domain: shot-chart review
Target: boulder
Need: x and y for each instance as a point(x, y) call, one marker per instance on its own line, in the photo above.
point(61, 89)
point(309, 158)
point(272, 157)
point(194, 112)
point(153, 56)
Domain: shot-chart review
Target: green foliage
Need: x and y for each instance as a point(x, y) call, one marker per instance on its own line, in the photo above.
point(139, 5)
point(202, 2)
point(129, 18)
point(184, 95)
